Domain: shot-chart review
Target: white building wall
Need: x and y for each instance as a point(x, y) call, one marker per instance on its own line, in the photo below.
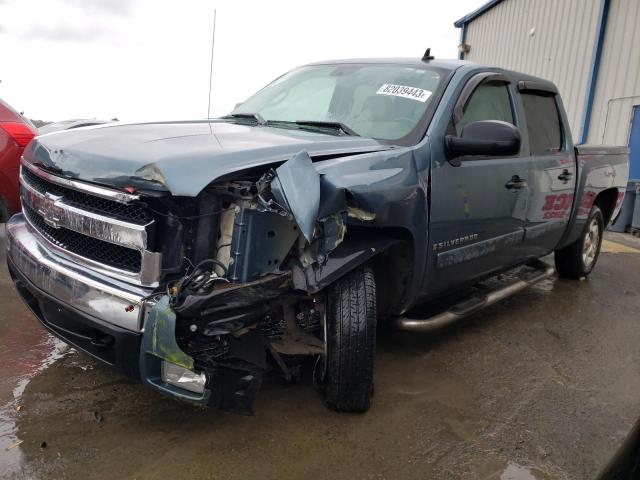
point(552, 39)
point(618, 85)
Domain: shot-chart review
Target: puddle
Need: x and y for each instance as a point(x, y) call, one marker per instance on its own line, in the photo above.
point(518, 472)
point(26, 349)
point(36, 358)
point(546, 285)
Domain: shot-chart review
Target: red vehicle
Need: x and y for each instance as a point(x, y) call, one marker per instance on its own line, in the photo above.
point(15, 134)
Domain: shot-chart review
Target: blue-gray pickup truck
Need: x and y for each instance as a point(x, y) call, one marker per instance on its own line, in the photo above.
point(198, 256)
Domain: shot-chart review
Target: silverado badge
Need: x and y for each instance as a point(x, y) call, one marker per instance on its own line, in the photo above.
point(454, 242)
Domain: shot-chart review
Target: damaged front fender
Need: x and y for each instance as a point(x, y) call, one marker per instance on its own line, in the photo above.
point(319, 207)
point(296, 186)
point(343, 259)
point(295, 189)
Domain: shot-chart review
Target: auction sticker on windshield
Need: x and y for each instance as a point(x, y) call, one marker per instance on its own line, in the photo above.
point(411, 93)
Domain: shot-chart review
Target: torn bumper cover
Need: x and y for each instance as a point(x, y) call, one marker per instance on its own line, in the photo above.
point(226, 387)
point(159, 346)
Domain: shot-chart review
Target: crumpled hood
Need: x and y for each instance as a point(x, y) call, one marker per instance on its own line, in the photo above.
point(179, 157)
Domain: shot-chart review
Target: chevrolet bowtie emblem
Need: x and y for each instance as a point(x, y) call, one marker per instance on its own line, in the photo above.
point(48, 209)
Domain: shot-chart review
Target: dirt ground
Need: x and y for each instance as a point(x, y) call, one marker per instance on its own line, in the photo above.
point(543, 385)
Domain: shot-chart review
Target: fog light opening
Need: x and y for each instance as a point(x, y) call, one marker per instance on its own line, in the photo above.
point(184, 378)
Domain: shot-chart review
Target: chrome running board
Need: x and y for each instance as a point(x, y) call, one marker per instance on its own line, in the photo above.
point(475, 303)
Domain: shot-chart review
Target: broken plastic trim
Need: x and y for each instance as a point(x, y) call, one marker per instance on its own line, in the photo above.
point(158, 345)
point(235, 295)
point(159, 337)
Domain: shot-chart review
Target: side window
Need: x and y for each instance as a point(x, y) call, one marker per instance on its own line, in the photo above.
point(490, 101)
point(543, 123)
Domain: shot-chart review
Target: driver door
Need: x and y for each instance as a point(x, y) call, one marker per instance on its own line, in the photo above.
point(479, 203)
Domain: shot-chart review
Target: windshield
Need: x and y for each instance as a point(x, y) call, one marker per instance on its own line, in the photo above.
point(385, 102)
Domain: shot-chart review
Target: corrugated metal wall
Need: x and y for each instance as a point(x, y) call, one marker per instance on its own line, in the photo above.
point(618, 86)
point(553, 39)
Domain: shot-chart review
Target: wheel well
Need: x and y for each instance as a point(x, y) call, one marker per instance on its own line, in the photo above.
point(393, 272)
point(606, 202)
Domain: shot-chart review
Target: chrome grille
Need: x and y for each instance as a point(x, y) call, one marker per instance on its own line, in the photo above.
point(102, 229)
point(91, 248)
point(131, 213)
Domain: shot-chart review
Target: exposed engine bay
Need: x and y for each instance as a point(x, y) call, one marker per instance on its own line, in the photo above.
point(246, 304)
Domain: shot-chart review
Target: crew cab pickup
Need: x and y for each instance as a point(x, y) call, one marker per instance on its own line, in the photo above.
point(197, 256)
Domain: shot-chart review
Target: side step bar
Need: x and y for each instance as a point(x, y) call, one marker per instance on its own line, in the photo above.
point(475, 304)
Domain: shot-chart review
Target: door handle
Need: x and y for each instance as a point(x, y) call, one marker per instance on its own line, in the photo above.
point(516, 183)
point(565, 176)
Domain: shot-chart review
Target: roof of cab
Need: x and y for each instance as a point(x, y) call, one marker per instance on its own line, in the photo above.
point(440, 63)
point(444, 64)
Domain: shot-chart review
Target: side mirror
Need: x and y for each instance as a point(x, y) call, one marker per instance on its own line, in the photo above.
point(486, 137)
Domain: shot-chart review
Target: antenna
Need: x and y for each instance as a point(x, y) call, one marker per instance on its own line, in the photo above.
point(213, 42)
point(427, 55)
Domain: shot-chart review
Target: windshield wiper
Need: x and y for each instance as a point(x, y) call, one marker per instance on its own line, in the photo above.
point(341, 127)
point(315, 124)
point(251, 116)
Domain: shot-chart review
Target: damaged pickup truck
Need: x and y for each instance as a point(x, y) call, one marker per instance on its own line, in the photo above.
point(198, 256)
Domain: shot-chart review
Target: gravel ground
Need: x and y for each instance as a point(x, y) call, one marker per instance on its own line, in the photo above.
point(544, 385)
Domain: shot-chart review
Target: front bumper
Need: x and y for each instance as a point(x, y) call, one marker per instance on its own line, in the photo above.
point(90, 292)
point(85, 309)
point(105, 319)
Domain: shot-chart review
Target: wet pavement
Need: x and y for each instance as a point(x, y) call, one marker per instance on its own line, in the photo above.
point(544, 385)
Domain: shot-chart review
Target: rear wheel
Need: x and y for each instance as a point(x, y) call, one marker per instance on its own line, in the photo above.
point(578, 259)
point(350, 342)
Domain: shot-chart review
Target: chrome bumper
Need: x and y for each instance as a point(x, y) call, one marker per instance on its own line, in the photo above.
point(92, 293)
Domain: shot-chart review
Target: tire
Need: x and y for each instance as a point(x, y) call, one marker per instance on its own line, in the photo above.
point(350, 342)
point(578, 259)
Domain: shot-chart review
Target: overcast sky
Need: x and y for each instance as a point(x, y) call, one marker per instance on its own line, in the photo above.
point(149, 59)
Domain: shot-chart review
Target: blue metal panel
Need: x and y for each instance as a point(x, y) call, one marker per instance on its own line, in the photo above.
point(476, 13)
point(634, 145)
point(595, 66)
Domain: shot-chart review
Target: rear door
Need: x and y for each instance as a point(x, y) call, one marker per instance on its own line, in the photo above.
point(553, 168)
point(479, 203)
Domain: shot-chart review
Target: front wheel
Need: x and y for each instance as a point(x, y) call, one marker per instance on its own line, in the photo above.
point(578, 259)
point(350, 342)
